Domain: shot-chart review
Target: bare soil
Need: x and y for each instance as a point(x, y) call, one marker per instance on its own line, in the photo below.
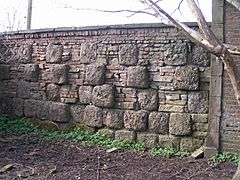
point(31, 157)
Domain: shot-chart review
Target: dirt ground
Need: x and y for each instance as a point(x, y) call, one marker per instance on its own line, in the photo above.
point(30, 157)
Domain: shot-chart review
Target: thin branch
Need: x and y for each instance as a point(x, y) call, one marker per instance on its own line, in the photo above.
point(235, 3)
point(178, 8)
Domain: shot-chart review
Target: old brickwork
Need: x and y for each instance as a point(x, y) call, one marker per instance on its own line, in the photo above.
point(230, 122)
point(143, 83)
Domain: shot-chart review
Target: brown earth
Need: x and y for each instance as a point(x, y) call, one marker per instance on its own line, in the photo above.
point(34, 158)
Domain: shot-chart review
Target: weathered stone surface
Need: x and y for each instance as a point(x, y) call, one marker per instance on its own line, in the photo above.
point(137, 76)
point(43, 110)
point(107, 133)
point(166, 141)
point(180, 124)
point(148, 99)
point(5, 105)
point(95, 74)
point(53, 92)
point(199, 118)
point(171, 108)
point(24, 54)
point(135, 120)
point(31, 72)
point(4, 71)
point(88, 53)
point(190, 144)
point(18, 106)
point(31, 108)
point(103, 96)
point(198, 102)
point(158, 122)
point(125, 135)
point(59, 112)
point(59, 74)
point(23, 89)
point(77, 113)
point(126, 105)
point(114, 119)
point(49, 126)
point(93, 116)
point(200, 57)
point(147, 139)
point(128, 54)
point(54, 53)
point(175, 54)
point(186, 78)
point(85, 94)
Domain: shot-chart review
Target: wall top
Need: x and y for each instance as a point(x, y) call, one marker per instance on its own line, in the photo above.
point(102, 27)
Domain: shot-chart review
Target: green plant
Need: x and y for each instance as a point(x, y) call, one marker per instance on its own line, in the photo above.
point(224, 156)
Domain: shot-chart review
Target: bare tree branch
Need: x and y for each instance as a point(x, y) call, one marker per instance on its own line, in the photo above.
point(235, 3)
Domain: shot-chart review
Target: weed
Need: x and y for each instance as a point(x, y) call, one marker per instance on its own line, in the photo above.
point(223, 157)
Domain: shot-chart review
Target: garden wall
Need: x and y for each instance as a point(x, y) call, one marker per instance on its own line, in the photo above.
point(144, 83)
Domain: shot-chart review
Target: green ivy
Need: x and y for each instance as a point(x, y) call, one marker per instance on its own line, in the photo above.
point(223, 157)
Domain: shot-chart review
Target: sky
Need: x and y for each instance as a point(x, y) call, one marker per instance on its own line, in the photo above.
point(67, 13)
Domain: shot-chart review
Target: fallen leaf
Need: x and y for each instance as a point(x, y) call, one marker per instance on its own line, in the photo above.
point(111, 150)
point(6, 168)
point(34, 153)
point(52, 170)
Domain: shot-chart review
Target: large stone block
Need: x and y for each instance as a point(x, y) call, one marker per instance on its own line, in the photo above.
point(166, 141)
point(59, 74)
point(200, 56)
point(85, 94)
point(180, 124)
point(54, 53)
point(31, 108)
point(43, 110)
point(31, 72)
point(93, 116)
point(18, 106)
point(158, 122)
point(95, 74)
point(88, 53)
point(77, 113)
point(24, 89)
point(190, 144)
point(114, 119)
point(176, 54)
point(4, 71)
point(103, 96)
point(198, 102)
point(53, 92)
point(147, 139)
point(24, 54)
point(107, 133)
point(148, 99)
point(125, 135)
point(128, 54)
point(135, 120)
point(6, 105)
point(59, 112)
point(137, 76)
point(186, 78)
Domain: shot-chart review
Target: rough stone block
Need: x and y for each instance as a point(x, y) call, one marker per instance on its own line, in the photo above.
point(31, 72)
point(43, 110)
point(176, 54)
point(25, 53)
point(107, 133)
point(166, 141)
point(85, 94)
point(198, 102)
point(147, 139)
point(18, 106)
point(199, 118)
point(95, 74)
point(59, 112)
point(103, 96)
point(31, 108)
point(137, 76)
point(125, 135)
point(6, 105)
point(135, 120)
point(54, 53)
point(190, 144)
point(114, 119)
point(93, 116)
point(59, 74)
point(186, 78)
point(158, 122)
point(4, 71)
point(23, 89)
point(200, 56)
point(88, 53)
point(128, 54)
point(171, 108)
point(180, 124)
point(148, 99)
point(126, 105)
point(53, 92)
point(77, 113)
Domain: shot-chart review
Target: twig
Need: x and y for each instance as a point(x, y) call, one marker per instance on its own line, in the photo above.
point(98, 168)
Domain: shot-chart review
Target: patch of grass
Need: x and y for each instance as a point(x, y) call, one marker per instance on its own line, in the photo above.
point(168, 152)
point(223, 157)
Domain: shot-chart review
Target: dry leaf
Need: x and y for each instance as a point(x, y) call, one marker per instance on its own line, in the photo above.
point(112, 150)
point(6, 167)
point(52, 170)
point(34, 153)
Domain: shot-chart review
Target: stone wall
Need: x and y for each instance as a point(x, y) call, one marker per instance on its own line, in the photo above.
point(143, 83)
